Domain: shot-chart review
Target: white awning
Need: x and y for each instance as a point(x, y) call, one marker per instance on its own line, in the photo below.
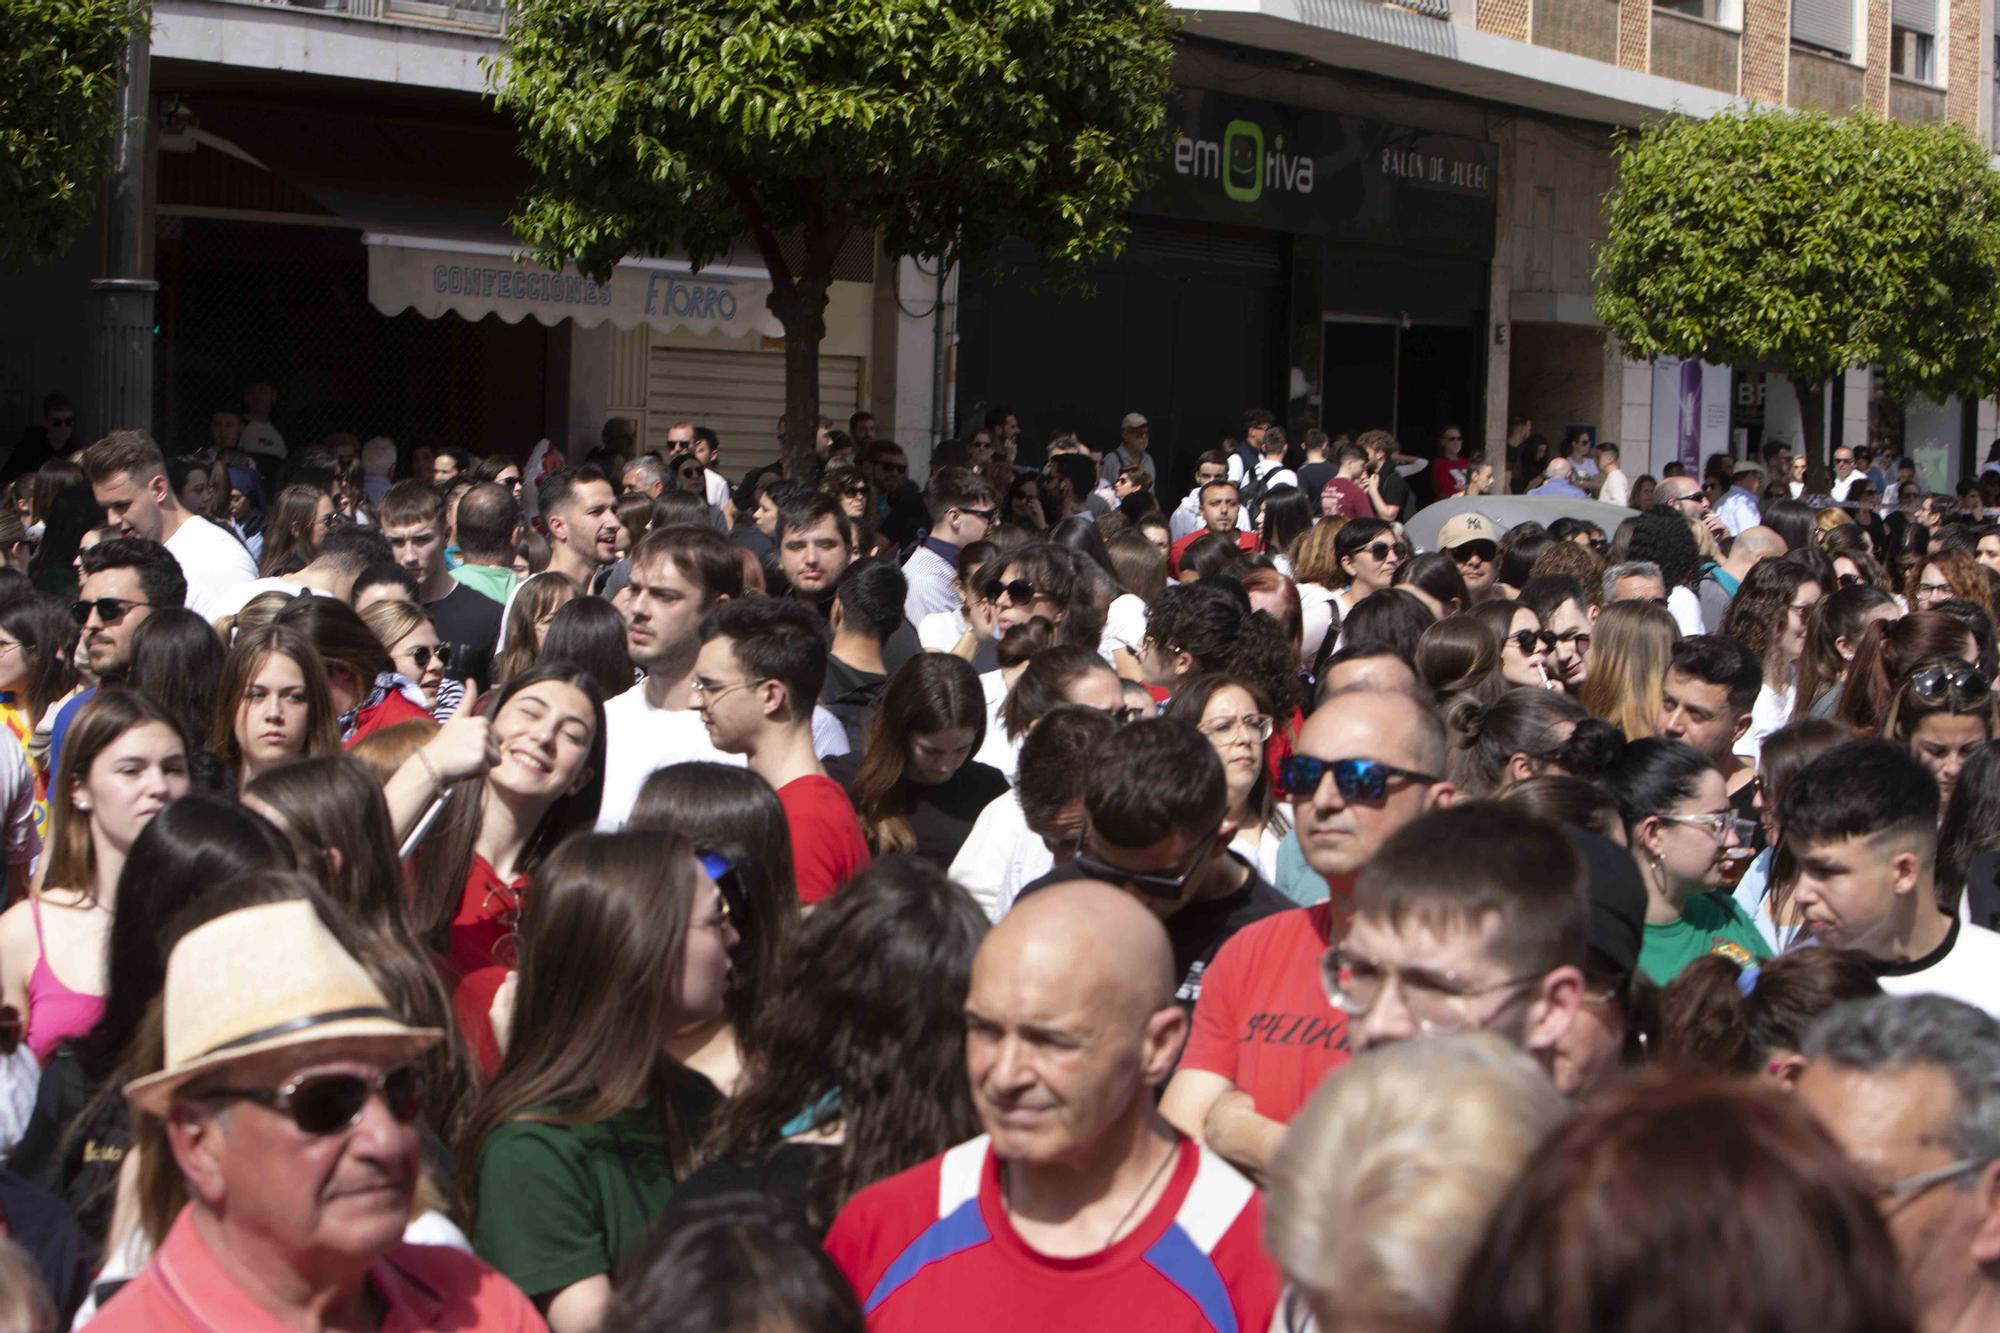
point(475, 279)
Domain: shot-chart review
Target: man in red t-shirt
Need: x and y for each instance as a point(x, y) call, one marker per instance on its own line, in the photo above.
point(1449, 468)
point(1264, 1031)
point(761, 665)
point(1080, 1207)
point(1219, 502)
point(1344, 496)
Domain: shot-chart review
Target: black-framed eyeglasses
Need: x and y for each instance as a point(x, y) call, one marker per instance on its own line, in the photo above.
point(983, 515)
point(1933, 681)
point(1464, 551)
point(422, 654)
point(322, 1104)
point(1151, 883)
point(1527, 639)
point(1355, 779)
point(110, 610)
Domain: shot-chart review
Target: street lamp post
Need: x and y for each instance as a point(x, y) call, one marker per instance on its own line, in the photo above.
point(121, 300)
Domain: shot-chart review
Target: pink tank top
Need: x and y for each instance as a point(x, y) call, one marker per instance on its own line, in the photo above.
point(55, 1012)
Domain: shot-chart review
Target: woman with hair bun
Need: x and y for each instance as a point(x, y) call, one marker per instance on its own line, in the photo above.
point(1725, 1017)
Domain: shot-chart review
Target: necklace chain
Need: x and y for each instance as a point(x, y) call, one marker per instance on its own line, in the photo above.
point(1173, 1151)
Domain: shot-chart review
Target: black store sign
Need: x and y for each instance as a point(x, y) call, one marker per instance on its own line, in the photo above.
point(1258, 164)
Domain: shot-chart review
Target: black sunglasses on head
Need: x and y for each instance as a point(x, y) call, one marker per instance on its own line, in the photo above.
point(322, 1104)
point(110, 610)
point(1931, 683)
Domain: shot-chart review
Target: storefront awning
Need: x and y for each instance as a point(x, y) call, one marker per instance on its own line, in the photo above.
point(475, 279)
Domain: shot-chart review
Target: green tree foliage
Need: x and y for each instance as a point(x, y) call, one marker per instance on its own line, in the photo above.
point(59, 68)
point(943, 126)
point(1808, 244)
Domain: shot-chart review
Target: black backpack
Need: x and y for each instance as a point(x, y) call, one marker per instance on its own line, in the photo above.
point(1251, 494)
point(1982, 886)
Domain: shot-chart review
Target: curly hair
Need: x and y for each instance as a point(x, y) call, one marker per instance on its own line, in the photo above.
point(1756, 615)
point(866, 1028)
point(1662, 537)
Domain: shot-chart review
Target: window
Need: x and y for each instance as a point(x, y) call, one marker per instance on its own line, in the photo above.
point(1711, 11)
point(1826, 24)
point(1913, 39)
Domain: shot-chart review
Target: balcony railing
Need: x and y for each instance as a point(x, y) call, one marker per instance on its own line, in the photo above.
point(479, 15)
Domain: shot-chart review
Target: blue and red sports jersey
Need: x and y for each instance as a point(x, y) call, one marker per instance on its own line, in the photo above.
point(932, 1248)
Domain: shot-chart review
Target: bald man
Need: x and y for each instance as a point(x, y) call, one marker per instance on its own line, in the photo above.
point(1558, 482)
point(1690, 501)
point(1264, 1034)
point(1080, 1207)
point(1719, 583)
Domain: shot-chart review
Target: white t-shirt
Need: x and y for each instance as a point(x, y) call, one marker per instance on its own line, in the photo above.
point(1967, 969)
point(1769, 713)
point(1617, 487)
point(1685, 608)
point(1277, 474)
point(1000, 855)
point(245, 593)
point(940, 631)
point(640, 739)
point(215, 564)
point(1124, 625)
point(996, 751)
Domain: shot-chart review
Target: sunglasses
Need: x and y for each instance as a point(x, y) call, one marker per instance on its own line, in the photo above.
point(1482, 550)
point(1847, 580)
point(855, 492)
point(110, 610)
point(1153, 884)
point(1526, 639)
point(983, 515)
point(423, 653)
point(1933, 682)
point(322, 1104)
point(1355, 779)
point(1018, 591)
point(899, 469)
point(1380, 550)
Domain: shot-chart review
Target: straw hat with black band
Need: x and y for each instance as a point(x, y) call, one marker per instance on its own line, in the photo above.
point(268, 978)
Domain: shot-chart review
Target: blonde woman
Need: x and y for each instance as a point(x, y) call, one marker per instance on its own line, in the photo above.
point(1319, 578)
point(1631, 646)
point(416, 653)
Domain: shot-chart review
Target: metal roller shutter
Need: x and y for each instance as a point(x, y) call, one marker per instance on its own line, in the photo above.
point(1916, 15)
point(1825, 23)
point(741, 394)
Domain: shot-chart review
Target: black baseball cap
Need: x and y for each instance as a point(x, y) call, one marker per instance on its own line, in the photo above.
point(1617, 899)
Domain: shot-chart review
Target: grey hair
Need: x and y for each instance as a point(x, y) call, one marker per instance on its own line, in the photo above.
point(1631, 569)
point(1893, 1032)
point(648, 468)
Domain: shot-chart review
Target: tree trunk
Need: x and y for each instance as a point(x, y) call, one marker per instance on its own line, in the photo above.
point(1812, 423)
point(803, 313)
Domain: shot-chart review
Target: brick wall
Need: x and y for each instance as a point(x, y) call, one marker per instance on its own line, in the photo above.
point(1580, 27)
point(1695, 52)
point(1507, 18)
point(1965, 89)
point(1767, 44)
point(1875, 50)
point(1635, 33)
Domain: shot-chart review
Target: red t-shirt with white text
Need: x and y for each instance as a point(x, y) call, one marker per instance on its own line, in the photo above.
point(1263, 1021)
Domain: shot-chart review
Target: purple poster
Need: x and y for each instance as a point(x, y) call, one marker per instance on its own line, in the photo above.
point(1688, 442)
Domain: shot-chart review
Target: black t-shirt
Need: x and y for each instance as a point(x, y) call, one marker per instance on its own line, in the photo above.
point(470, 622)
point(782, 1173)
point(1197, 930)
point(942, 816)
point(39, 1224)
point(1313, 478)
point(1395, 491)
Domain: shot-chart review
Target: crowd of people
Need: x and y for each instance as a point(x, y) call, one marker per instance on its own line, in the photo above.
point(453, 893)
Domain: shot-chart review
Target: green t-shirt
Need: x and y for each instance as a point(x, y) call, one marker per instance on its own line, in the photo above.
point(1710, 923)
point(495, 581)
point(561, 1203)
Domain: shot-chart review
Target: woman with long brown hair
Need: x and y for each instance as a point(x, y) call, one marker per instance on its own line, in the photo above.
point(273, 705)
point(578, 1141)
point(123, 761)
point(1833, 635)
point(510, 781)
point(1768, 616)
point(298, 519)
point(918, 788)
point(528, 616)
point(1888, 652)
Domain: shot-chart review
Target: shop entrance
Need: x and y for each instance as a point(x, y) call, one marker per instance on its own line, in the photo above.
point(1409, 378)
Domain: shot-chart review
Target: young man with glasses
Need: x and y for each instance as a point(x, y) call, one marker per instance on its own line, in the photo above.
point(1155, 825)
point(124, 581)
point(1264, 1035)
point(1860, 822)
point(761, 665)
point(1909, 1086)
point(1473, 544)
point(962, 509)
point(1446, 941)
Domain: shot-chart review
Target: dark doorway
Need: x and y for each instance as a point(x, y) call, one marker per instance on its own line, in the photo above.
point(1360, 376)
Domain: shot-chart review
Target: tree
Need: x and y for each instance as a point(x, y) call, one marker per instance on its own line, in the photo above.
point(1807, 244)
point(942, 126)
point(59, 68)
